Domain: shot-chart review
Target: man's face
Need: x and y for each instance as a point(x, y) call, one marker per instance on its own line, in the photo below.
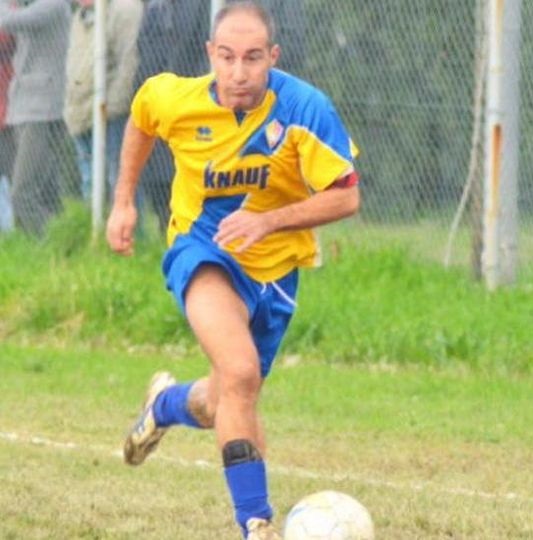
point(241, 56)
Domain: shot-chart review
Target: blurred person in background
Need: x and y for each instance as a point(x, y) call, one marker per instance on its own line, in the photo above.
point(7, 146)
point(123, 20)
point(35, 106)
point(171, 39)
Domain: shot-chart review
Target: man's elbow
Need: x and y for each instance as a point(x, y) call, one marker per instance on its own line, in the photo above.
point(352, 201)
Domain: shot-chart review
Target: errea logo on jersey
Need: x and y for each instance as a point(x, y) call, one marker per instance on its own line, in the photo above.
point(250, 176)
point(204, 133)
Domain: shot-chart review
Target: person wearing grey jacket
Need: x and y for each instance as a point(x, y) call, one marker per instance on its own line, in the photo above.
point(35, 106)
point(122, 26)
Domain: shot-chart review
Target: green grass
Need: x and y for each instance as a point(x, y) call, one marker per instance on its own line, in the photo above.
point(405, 384)
point(431, 454)
point(375, 301)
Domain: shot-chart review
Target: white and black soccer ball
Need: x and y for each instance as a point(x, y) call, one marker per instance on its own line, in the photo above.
point(328, 515)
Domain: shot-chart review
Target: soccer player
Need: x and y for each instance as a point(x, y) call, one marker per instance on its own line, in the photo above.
point(261, 157)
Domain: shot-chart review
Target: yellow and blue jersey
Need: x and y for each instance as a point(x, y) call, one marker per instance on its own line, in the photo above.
point(290, 146)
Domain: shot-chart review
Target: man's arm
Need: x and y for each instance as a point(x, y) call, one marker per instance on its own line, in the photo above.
point(136, 149)
point(321, 208)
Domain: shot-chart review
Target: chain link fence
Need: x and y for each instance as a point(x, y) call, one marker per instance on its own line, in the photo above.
point(525, 177)
point(406, 76)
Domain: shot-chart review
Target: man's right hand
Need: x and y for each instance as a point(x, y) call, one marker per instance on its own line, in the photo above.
point(121, 228)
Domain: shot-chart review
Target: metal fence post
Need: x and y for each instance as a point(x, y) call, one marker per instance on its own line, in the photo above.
point(99, 117)
point(501, 143)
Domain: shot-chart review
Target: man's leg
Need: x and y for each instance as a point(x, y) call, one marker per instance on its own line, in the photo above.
point(84, 155)
point(211, 301)
point(35, 187)
point(220, 321)
point(7, 221)
point(226, 399)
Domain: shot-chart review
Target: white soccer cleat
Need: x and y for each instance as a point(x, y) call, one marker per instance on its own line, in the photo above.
point(261, 529)
point(145, 435)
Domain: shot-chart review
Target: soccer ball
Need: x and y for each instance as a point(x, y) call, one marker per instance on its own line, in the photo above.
point(328, 515)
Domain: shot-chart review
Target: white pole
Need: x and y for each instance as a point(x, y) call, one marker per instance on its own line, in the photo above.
point(99, 116)
point(502, 140)
point(216, 6)
point(511, 143)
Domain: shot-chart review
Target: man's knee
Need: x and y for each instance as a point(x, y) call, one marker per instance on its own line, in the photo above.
point(241, 379)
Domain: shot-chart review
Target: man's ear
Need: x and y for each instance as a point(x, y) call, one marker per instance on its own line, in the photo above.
point(275, 53)
point(210, 49)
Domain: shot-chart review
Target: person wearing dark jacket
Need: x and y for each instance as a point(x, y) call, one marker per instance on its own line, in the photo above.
point(171, 39)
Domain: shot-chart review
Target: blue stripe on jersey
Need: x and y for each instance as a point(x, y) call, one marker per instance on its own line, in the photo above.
point(214, 210)
point(258, 143)
point(300, 104)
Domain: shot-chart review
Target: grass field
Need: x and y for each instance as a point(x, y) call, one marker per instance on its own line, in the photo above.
point(399, 382)
point(432, 454)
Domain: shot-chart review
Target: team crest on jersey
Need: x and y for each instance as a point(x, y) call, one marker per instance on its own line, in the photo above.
point(274, 132)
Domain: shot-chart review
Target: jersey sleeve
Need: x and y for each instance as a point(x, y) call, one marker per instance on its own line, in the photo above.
point(151, 104)
point(144, 113)
point(324, 146)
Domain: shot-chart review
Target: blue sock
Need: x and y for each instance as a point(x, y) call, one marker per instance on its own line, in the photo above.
point(170, 407)
point(248, 487)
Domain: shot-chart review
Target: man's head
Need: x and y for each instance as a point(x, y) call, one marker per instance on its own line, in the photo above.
point(241, 52)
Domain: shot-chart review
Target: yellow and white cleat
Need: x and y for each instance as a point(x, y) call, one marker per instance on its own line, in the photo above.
point(145, 435)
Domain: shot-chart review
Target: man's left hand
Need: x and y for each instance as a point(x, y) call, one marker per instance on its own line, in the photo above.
point(249, 227)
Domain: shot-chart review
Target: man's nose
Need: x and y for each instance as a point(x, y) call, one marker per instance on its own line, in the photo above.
point(239, 72)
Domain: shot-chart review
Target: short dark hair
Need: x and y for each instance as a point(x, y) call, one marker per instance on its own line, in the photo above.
point(247, 6)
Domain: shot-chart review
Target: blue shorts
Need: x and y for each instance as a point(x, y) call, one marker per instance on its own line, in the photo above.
point(270, 305)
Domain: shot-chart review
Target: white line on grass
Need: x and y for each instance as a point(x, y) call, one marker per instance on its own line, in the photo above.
point(279, 470)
